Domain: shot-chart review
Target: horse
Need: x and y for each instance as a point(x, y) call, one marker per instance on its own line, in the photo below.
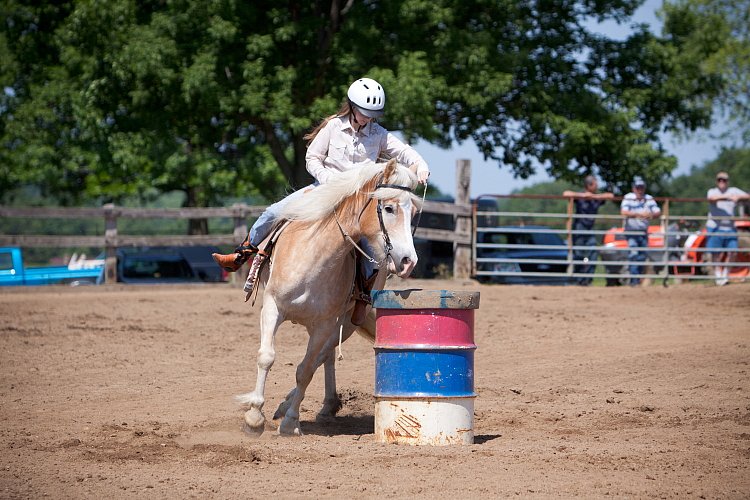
point(311, 275)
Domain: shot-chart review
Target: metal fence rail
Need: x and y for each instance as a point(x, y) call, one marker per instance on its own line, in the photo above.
point(526, 246)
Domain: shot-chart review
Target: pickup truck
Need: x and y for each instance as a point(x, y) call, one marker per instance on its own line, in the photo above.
point(165, 264)
point(79, 271)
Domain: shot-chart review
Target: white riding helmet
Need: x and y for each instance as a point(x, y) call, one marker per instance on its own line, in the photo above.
point(367, 96)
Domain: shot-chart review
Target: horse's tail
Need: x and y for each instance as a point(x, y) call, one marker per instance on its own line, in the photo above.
point(367, 329)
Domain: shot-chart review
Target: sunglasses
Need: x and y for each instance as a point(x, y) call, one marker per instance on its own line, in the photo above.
point(722, 179)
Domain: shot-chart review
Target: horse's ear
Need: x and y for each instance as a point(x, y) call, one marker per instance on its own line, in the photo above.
point(413, 167)
point(390, 167)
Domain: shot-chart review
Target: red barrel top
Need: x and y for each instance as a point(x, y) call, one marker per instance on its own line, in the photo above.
point(425, 319)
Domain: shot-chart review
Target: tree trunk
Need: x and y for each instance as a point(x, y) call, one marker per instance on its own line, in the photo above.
point(195, 226)
point(300, 176)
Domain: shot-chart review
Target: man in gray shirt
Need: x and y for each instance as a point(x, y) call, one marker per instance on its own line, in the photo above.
point(722, 235)
point(638, 208)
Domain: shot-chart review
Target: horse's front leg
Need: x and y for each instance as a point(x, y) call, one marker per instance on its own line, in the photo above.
point(331, 402)
point(270, 319)
point(315, 356)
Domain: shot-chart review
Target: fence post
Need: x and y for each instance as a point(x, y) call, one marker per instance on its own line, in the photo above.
point(462, 251)
point(110, 244)
point(665, 242)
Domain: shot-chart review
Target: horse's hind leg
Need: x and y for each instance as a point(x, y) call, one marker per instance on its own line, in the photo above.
point(269, 323)
point(332, 402)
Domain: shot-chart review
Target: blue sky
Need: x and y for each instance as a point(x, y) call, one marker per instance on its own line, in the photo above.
point(488, 178)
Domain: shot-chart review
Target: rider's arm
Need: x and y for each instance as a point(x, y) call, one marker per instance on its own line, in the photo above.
point(406, 155)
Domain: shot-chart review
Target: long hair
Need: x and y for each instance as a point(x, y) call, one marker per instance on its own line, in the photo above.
point(344, 110)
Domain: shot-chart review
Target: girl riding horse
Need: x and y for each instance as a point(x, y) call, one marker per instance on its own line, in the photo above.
point(310, 279)
point(342, 142)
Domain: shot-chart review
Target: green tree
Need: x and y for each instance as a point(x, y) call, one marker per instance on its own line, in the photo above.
point(109, 98)
point(697, 20)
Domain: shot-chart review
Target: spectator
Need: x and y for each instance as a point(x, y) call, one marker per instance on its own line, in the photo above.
point(586, 203)
point(722, 237)
point(638, 208)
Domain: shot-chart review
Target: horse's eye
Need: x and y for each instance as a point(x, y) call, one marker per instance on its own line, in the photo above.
point(389, 209)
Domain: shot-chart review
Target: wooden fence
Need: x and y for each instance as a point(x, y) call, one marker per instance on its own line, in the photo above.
point(111, 240)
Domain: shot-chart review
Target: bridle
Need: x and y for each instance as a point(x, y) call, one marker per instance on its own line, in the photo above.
point(386, 236)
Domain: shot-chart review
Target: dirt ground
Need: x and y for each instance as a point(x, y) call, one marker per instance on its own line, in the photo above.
point(127, 392)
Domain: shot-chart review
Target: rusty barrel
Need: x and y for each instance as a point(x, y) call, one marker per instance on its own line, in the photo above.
point(424, 366)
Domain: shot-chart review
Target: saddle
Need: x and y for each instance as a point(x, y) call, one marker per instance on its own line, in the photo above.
point(360, 288)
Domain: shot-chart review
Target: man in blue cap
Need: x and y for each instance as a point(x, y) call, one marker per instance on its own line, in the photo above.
point(638, 208)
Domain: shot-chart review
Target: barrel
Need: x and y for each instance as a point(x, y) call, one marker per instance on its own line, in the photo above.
point(424, 366)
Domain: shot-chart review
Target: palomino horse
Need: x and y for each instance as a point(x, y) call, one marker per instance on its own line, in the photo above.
point(310, 279)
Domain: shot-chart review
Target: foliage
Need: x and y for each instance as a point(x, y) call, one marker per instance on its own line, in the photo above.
point(731, 59)
point(115, 98)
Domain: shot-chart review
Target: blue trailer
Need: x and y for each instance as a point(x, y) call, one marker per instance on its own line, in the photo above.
point(14, 273)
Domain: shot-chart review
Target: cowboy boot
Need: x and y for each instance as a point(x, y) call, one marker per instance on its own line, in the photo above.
point(362, 298)
point(231, 262)
point(252, 276)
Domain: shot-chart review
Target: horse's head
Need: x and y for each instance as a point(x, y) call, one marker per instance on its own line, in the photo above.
point(389, 232)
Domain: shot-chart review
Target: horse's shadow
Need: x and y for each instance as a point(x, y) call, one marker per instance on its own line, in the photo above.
point(361, 425)
point(350, 425)
point(483, 438)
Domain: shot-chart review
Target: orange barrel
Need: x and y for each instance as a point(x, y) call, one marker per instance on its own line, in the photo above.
point(424, 366)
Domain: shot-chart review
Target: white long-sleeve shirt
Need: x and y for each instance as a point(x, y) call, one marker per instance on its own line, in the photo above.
point(338, 147)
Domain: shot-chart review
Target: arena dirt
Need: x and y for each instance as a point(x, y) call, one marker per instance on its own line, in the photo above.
point(127, 392)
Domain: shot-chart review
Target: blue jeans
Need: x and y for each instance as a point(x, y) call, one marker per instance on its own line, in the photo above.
point(585, 240)
point(636, 255)
point(262, 227)
point(718, 240)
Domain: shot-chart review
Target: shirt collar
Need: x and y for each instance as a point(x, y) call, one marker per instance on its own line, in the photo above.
point(346, 124)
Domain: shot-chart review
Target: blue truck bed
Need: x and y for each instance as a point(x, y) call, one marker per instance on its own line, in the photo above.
point(14, 273)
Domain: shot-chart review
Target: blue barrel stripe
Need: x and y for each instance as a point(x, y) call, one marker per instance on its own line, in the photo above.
point(424, 372)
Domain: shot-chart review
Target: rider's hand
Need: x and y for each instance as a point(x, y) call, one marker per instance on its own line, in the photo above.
point(422, 176)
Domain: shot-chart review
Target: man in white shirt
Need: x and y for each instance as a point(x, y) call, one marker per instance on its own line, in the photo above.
point(722, 239)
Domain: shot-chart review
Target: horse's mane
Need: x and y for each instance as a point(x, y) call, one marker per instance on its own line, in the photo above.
point(320, 202)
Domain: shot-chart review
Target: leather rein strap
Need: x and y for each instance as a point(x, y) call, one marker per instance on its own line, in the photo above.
point(386, 237)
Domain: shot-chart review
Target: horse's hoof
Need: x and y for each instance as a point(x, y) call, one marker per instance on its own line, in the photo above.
point(329, 410)
point(290, 427)
point(253, 431)
point(255, 419)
